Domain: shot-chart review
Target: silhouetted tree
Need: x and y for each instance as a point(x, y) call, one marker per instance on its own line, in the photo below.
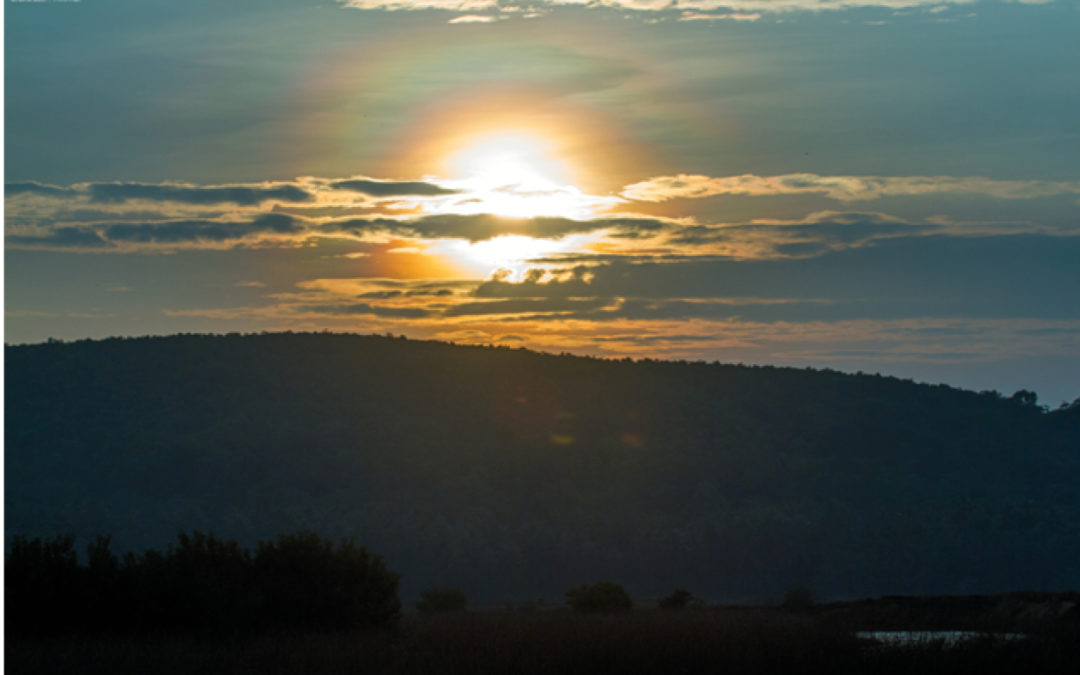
point(438, 599)
point(305, 581)
point(103, 593)
point(211, 582)
point(42, 584)
point(603, 596)
point(1025, 398)
point(680, 598)
point(203, 583)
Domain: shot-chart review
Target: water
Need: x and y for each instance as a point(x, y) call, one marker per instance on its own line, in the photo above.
point(950, 638)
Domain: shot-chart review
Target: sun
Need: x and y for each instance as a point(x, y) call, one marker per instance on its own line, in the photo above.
point(509, 160)
point(514, 174)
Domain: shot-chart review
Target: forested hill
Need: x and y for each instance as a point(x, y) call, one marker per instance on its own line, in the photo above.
point(514, 475)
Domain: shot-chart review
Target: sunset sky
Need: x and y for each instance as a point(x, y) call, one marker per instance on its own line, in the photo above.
point(880, 185)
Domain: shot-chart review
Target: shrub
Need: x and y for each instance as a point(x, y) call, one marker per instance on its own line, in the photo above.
point(603, 596)
point(680, 598)
point(436, 599)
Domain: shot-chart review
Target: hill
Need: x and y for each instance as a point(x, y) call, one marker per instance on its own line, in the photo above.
point(514, 475)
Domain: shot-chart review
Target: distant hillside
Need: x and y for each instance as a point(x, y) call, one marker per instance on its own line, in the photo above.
point(514, 475)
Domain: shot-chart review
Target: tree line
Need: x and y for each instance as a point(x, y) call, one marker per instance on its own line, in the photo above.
point(201, 583)
point(207, 584)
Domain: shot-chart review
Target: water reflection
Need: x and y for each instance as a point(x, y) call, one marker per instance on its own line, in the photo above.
point(949, 638)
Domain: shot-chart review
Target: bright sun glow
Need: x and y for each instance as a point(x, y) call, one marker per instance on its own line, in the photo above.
point(509, 159)
point(511, 255)
point(516, 175)
point(508, 252)
point(511, 174)
point(505, 250)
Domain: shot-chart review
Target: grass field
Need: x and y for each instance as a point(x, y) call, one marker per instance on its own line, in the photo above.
point(550, 642)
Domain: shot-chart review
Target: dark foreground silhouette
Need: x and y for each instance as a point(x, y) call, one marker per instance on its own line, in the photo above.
point(202, 585)
point(510, 474)
point(301, 604)
point(556, 642)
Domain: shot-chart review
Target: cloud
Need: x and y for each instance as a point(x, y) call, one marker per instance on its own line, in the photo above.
point(366, 287)
point(385, 188)
point(917, 278)
point(814, 235)
point(202, 230)
point(842, 188)
point(243, 195)
point(35, 188)
point(480, 227)
point(119, 193)
point(133, 217)
point(991, 277)
point(685, 10)
point(527, 306)
point(447, 5)
point(363, 308)
point(167, 234)
point(735, 16)
point(43, 215)
point(76, 237)
point(301, 193)
point(626, 237)
point(475, 18)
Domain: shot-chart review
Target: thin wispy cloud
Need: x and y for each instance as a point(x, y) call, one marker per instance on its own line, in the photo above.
point(733, 16)
point(842, 188)
point(683, 10)
point(474, 18)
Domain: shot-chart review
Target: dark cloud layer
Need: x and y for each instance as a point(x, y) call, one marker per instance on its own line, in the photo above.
point(241, 195)
point(363, 308)
point(104, 235)
point(114, 193)
point(484, 226)
point(203, 230)
point(34, 188)
point(527, 305)
point(73, 236)
point(118, 193)
point(1002, 276)
point(380, 188)
point(817, 235)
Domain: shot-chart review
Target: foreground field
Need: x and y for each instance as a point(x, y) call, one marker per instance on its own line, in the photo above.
point(556, 641)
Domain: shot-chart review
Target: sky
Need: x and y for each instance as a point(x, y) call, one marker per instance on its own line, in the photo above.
point(886, 186)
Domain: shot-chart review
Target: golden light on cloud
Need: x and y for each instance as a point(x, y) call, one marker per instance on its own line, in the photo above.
point(509, 253)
